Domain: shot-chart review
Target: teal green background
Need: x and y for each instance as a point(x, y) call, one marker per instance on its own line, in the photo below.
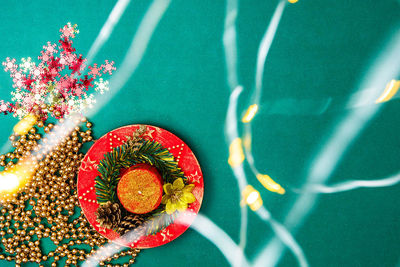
point(321, 50)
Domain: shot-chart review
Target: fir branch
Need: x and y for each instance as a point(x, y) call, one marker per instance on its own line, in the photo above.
point(159, 221)
point(127, 155)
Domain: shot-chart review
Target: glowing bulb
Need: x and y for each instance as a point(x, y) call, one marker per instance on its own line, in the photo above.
point(293, 1)
point(250, 113)
point(16, 177)
point(252, 198)
point(24, 125)
point(270, 184)
point(236, 155)
point(9, 182)
point(391, 89)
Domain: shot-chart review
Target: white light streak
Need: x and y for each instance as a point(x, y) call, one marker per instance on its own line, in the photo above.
point(135, 52)
point(285, 236)
point(263, 51)
point(383, 70)
point(264, 48)
point(204, 226)
point(107, 28)
point(353, 184)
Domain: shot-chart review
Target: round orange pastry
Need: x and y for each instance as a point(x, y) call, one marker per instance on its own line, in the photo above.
point(140, 189)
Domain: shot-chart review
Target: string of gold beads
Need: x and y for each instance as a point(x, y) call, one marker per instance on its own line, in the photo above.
point(45, 210)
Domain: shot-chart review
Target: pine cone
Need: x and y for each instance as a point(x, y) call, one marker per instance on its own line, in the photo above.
point(130, 222)
point(109, 215)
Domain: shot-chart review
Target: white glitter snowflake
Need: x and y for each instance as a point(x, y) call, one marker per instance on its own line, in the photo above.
point(17, 95)
point(38, 98)
point(50, 99)
point(36, 72)
point(9, 65)
point(26, 64)
point(89, 100)
point(101, 86)
point(4, 106)
point(75, 105)
point(20, 113)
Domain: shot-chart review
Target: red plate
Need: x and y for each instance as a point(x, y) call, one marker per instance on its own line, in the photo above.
point(186, 161)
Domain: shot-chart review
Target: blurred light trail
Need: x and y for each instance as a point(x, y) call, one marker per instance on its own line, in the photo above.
point(233, 253)
point(107, 29)
point(58, 134)
point(263, 51)
point(135, 52)
point(231, 124)
point(230, 43)
point(5, 148)
point(385, 67)
point(391, 89)
point(231, 133)
point(204, 226)
point(250, 113)
point(352, 185)
point(285, 236)
point(24, 125)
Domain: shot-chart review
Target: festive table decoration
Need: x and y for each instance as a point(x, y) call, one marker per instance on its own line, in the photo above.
point(126, 166)
point(40, 219)
point(138, 191)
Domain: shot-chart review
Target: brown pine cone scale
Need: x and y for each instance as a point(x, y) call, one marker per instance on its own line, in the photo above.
point(109, 215)
point(130, 222)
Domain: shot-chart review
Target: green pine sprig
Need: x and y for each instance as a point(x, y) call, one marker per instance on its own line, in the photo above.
point(125, 156)
point(159, 221)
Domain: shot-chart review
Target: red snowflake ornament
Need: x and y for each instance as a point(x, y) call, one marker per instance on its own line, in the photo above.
point(55, 81)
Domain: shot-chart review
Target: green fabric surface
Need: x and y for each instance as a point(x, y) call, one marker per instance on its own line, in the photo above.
point(320, 53)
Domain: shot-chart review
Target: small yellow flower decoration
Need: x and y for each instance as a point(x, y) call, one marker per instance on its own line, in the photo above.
point(177, 196)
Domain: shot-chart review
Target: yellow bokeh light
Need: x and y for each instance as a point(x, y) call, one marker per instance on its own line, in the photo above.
point(252, 198)
point(16, 177)
point(391, 89)
point(293, 1)
point(8, 182)
point(24, 125)
point(247, 142)
point(236, 155)
point(250, 113)
point(270, 184)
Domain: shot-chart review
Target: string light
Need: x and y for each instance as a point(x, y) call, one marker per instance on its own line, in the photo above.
point(250, 113)
point(252, 198)
point(270, 184)
point(16, 178)
point(236, 155)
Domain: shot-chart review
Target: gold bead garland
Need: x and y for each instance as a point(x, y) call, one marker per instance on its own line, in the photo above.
point(45, 208)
